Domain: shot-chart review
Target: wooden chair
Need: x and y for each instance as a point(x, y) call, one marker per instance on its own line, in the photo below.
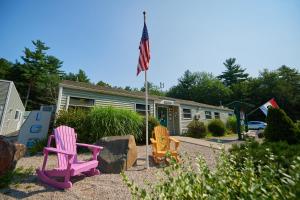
point(161, 144)
point(68, 165)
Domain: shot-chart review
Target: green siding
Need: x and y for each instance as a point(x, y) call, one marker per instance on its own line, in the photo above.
point(103, 99)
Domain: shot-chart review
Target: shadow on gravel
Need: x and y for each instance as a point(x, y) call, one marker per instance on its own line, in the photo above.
point(44, 188)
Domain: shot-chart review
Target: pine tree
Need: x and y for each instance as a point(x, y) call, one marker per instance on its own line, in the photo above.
point(234, 73)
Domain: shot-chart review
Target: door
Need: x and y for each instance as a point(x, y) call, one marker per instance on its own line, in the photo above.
point(162, 115)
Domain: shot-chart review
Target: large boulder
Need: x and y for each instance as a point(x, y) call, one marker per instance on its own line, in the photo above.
point(119, 153)
point(10, 153)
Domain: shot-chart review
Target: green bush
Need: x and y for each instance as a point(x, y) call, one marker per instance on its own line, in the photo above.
point(181, 181)
point(196, 129)
point(284, 152)
point(77, 119)
point(216, 127)
point(231, 124)
point(152, 122)
point(110, 121)
point(280, 127)
point(91, 125)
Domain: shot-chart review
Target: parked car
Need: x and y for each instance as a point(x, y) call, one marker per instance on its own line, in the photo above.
point(256, 125)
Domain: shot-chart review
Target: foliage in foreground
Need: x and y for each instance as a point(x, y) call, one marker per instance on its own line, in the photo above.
point(285, 153)
point(225, 182)
point(14, 177)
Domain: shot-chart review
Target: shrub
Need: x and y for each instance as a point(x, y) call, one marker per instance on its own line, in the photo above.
point(225, 182)
point(110, 121)
point(77, 119)
point(231, 124)
point(284, 152)
point(216, 127)
point(280, 127)
point(152, 122)
point(196, 129)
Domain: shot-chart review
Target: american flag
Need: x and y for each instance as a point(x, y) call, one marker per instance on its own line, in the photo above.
point(144, 47)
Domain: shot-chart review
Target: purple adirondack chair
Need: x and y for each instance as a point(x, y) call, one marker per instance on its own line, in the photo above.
point(68, 165)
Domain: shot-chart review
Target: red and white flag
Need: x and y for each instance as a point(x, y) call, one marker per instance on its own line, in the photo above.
point(272, 103)
point(144, 57)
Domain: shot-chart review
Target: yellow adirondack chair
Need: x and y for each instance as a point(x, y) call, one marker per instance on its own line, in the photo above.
point(161, 144)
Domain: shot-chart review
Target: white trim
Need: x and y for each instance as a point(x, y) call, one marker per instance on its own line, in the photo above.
point(59, 99)
point(67, 103)
point(5, 106)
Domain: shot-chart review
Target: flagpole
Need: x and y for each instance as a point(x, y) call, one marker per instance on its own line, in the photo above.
point(146, 102)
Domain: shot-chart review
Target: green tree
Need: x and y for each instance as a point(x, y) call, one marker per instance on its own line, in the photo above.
point(80, 76)
point(200, 87)
point(234, 73)
point(5, 68)
point(102, 83)
point(39, 71)
point(153, 89)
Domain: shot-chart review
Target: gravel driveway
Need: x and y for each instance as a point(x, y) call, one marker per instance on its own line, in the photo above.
point(104, 186)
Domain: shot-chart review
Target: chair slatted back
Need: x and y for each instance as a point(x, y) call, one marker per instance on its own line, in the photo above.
point(65, 139)
point(161, 135)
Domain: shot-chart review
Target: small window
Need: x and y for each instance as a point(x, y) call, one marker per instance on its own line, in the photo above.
point(17, 115)
point(230, 114)
point(81, 102)
point(187, 113)
point(208, 115)
point(141, 109)
point(217, 115)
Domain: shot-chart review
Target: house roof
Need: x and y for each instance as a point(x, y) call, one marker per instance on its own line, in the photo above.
point(134, 94)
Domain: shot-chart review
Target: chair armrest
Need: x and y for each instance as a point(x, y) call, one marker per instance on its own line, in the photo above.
point(175, 141)
point(51, 149)
point(154, 144)
point(153, 141)
point(89, 146)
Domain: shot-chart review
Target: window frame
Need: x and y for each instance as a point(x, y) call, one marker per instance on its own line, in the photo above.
point(183, 113)
point(142, 111)
point(208, 114)
point(218, 114)
point(69, 104)
point(19, 115)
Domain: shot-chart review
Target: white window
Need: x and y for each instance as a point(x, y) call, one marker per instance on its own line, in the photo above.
point(187, 113)
point(217, 115)
point(77, 102)
point(141, 109)
point(208, 115)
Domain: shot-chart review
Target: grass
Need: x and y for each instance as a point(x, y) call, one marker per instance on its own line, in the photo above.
point(14, 177)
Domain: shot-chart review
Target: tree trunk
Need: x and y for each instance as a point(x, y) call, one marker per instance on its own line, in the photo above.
point(27, 95)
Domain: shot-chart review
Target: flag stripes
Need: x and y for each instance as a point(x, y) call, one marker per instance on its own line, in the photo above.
point(144, 48)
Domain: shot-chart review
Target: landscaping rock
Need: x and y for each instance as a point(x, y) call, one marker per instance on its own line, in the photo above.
point(10, 153)
point(119, 153)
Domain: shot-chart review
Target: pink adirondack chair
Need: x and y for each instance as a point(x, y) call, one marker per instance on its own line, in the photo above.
point(68, 165)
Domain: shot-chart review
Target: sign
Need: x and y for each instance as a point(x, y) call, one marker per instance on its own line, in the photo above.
point(34, 128)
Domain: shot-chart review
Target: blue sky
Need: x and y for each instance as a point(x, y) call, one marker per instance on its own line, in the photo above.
point(102, 37)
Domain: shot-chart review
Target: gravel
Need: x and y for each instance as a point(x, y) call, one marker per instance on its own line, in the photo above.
point(104, 186)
